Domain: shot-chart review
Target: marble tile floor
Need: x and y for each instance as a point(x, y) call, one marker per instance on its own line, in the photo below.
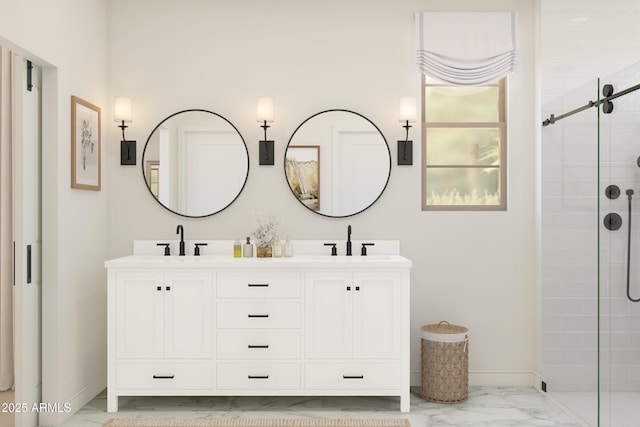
point(486, 406)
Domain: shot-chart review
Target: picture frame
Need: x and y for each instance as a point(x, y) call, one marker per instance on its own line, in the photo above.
point(86, 145)
point(303, 173)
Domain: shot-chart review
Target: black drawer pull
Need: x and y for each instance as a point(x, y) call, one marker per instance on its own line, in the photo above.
point(258, 285)
point(163, 377)
point(168, 288)
point(258, 346)
point(257, 315)
point(353, 377)
point(258, 377)
point(159, 288)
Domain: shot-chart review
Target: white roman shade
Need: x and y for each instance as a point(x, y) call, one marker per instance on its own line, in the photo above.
point(467, 48)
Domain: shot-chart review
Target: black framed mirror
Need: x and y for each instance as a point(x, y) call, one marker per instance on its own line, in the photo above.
point(195, 163)
point(337, 163)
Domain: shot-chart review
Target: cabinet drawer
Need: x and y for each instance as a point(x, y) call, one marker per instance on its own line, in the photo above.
point(164, 375)
point(258, 346)
point(352, 376)
point(258, 376)
point(258, 285)
point(258, 314)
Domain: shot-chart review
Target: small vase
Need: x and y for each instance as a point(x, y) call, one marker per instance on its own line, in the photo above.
point(264, 251)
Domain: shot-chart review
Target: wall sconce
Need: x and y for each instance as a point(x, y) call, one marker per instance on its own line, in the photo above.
point(122, 114)
point(265, 115)
point(407, 114)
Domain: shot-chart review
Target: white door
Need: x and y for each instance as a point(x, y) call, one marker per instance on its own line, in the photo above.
point(28, 243)
point(328, 315)
point(188, 315)
point(376, 315)
point(140, 315)
point(357, 178)
point(209, 176)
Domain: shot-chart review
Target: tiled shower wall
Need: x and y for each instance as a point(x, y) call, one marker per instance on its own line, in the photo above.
point(573, 237)
point(620, 318)
point(570, 245)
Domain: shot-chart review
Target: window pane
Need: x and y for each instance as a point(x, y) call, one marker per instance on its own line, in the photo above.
point(463, 186)
point(463, 146)
point(461, 104)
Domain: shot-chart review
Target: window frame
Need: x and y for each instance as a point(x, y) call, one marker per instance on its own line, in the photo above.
point(501, 125)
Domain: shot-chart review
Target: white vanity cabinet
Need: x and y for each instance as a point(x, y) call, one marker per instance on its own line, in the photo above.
point(353, 315)
point(163, 315)
point(160, 333)
point(353, 328)
point(259, 331)
point(307, 325)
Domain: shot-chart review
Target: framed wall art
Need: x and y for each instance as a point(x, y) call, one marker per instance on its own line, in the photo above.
point(86, 145)
point(303, 173)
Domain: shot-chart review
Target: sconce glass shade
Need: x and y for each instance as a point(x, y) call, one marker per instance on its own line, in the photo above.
point(122, 109)
point(265, 109)
point(407, 109)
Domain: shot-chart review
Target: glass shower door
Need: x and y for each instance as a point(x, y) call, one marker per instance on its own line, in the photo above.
point(570, 221)
point(619, 336)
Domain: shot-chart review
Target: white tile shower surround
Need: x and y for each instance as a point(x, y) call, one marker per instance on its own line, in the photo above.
point(486, 406)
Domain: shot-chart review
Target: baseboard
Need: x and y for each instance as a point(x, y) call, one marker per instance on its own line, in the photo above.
point(77, 401)
point(496, 378)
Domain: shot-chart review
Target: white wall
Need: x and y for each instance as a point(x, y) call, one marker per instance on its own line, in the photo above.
point(585, 39)
point(68, 38)
point(471, 268)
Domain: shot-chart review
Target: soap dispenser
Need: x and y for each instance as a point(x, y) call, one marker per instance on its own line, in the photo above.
point(288, 248)
point(277, 249)
point(248, 249)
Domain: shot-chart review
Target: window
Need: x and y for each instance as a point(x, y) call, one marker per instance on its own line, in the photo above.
point(464, 146)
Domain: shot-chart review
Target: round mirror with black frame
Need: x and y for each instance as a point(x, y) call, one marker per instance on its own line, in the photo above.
point(195, 163)
point(337, 163)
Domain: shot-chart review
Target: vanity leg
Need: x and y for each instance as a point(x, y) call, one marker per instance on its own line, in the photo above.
point(112, 402)
point(405, 402)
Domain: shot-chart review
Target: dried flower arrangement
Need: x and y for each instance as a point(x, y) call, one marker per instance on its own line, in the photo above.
point(265, 233)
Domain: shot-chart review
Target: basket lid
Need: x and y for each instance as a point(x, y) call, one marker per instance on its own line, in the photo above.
point(444, 332)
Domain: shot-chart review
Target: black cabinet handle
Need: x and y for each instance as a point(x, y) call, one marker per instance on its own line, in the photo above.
point(159, 288)
point(258, 377)
point(258, 285)
point(163, 377)
point(28, 264)
point(357, 288)
point(353, 377)
point(257, 315)
point(168, 288)
point(348, 288)
point(258, 346)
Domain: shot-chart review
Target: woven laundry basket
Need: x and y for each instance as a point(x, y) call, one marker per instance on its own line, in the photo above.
point(445, 363)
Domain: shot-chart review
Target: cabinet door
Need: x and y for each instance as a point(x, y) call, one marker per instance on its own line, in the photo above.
point(376, 315)
point(139, 315)
point(328, 315)
point(188, 315)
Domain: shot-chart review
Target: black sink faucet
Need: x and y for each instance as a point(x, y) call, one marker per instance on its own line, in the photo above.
point(349, 241)
point(180, 231)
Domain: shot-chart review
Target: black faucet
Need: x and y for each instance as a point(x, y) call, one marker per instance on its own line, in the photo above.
point(180, 231)
point(349, 241)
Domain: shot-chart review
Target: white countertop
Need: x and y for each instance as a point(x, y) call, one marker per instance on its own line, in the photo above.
point(308, 254)
point(340, 262)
